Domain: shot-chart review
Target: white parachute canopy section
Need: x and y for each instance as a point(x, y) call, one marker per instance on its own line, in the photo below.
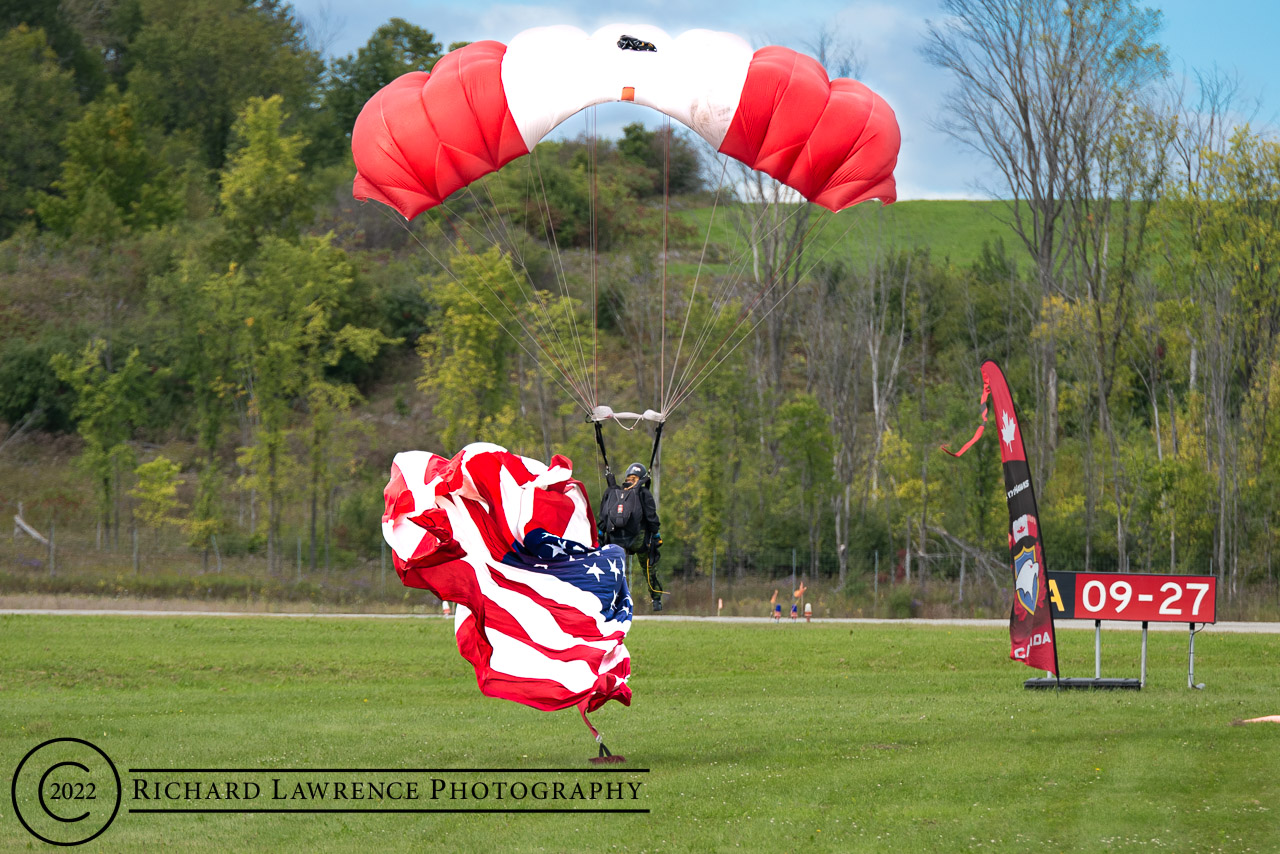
point(551, 73)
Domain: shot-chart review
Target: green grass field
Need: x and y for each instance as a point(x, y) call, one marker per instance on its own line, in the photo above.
point(827, 737)
point(951, 231)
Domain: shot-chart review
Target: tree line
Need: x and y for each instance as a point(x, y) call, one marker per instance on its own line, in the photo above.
point(182, 267)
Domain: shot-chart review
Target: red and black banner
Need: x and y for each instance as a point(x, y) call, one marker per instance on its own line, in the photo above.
point(1031, 620)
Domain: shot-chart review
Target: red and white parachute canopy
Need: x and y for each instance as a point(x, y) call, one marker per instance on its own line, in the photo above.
point(426, 135)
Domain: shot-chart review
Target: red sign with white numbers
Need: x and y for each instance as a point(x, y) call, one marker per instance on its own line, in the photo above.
point(1136, 597)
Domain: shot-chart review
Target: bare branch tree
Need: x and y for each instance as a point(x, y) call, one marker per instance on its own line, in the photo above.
point(835, 348)
point(885, 317)
point(1120, 177)
point(838, 54)
point(322, 27)
point(1033, 79)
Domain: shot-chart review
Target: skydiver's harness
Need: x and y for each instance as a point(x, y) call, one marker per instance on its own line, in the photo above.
point(603, 413)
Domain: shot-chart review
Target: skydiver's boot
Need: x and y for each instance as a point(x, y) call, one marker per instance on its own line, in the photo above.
point(657, 603)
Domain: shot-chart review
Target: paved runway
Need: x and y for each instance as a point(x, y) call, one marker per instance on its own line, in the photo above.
point(1109, 625)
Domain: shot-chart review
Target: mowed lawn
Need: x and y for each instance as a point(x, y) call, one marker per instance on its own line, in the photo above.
point(757, 737)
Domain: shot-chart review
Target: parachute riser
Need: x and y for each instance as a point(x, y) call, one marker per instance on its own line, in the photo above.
point(604, 455)
point(653, 460)
point(601, 413)
point(657, 440)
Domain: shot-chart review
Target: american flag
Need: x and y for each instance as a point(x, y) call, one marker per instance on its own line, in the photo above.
point(542, 613)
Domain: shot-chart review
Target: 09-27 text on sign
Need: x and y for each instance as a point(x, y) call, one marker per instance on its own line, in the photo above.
point(1136, 597)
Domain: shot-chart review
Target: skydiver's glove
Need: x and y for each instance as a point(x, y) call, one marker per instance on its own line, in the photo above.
point(655, 541)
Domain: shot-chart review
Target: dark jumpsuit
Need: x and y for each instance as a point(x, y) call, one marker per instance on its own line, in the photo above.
point(634, 531)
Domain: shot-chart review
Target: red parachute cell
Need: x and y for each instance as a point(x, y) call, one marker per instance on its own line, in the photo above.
point(426, 135)
point(833, 141)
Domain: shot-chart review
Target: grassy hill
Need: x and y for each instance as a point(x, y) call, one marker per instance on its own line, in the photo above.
point(951, 231)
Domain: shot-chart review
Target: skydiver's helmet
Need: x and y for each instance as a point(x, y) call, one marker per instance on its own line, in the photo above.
point(641, 473)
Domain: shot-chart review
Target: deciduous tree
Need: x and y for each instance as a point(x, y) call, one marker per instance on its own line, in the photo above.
point(1039, 85)
point(108, 406)
point(156, 491)
point(193, 66)
point(113, 180)
point(37, 99)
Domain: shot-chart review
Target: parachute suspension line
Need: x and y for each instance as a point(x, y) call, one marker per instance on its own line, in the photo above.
point(746, 312)
point(712, 363)
point(721, 296)
point(563, 356)
point(743, 315)
point(595, 299)
point(500, 237)
point(729, 281)
point(666, 213)
point(697, 277)
point(492, 233)
point(534, 297)
point(562, 277)
point(710, 367)
point(594, 220)
point(493, 237)
point(405, 225)
point(804, 275)
point(548, 231)
point(577, 393)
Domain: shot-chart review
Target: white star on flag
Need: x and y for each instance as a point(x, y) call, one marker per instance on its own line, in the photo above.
point(595, 571)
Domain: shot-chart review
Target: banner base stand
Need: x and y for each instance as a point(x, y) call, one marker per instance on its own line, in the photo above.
point(1086, 682)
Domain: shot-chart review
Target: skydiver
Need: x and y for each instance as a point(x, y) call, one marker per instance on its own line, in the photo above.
point(629, 518)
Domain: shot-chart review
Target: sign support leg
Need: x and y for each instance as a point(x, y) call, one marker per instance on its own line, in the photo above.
point(1097, 649)
point(1144, 654)
point(1191, 660)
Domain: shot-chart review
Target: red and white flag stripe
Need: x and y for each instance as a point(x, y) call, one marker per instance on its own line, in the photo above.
point(546, 633)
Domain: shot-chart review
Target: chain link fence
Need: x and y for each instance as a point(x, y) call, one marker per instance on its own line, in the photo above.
point(51, 566)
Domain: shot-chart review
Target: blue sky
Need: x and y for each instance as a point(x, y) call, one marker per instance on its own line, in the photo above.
point(1236, 35)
